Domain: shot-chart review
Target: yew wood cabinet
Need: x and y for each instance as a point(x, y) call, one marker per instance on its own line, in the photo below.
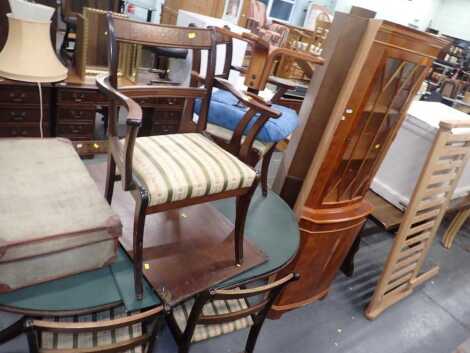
point(389, 66)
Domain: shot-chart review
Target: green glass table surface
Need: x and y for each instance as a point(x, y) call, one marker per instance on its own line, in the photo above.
point(100, 288)
point(271, 225)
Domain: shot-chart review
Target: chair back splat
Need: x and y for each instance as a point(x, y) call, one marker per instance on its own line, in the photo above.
point(257, 310)
point(110, 331)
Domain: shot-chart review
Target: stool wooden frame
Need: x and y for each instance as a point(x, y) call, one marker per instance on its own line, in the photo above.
point(437, 182)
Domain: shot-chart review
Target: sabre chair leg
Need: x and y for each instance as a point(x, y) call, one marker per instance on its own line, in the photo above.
point(265, 170)
point(457, 223)
point(138, 246)
point(110, 179)
point(243, 204)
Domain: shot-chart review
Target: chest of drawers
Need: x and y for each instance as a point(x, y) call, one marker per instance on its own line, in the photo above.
point(20, 110)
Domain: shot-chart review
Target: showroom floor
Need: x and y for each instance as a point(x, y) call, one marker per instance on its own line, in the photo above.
point(435, 319)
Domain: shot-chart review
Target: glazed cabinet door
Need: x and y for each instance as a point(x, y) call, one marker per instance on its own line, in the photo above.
point(388, 82)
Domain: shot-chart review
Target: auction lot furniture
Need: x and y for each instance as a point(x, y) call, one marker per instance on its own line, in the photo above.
point(439, 177)
point(240, 308)
point(271, 225)
point(53, 220)
point(257, 22)
point(397, 176)
point(225, 114)
point(169, 172)
point(357, 123)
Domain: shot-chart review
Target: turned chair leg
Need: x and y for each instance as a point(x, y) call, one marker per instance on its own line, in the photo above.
point(243, 203)
point(110, 179)
point(138, 242)
point(265, 170)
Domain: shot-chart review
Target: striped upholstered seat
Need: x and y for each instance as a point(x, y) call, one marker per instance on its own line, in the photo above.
point(184, 166)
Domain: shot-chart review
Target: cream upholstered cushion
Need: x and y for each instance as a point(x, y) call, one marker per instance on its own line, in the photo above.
point(184, 166)
point(225, 134)
point(59, 341)
point(215, 307)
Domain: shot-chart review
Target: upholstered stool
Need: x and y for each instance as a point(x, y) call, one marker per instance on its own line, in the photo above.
point(53, 220)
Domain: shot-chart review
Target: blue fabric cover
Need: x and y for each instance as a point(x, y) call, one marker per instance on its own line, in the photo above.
point(225, 112)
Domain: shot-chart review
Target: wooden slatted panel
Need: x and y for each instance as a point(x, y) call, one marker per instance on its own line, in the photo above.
point(426, 215)
point(420, 228)
point(423, 216)
point(436, 190)
point(392, 284)
point(442, 178)
point(417, 239)
point(427, 204)
point(407, 251)
point(459, 138)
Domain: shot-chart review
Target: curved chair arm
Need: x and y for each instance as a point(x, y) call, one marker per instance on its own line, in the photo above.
point(255, 107)
point(122, 155)
point(282, 85)
point(73, 327)
point(247, 100)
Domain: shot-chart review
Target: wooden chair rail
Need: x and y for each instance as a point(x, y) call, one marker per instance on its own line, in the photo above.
point(226, 294)
point(134, 115)
point(162, 35)
point(163, 92)
point(247, 100)
point(71, 327)
point(112, 348)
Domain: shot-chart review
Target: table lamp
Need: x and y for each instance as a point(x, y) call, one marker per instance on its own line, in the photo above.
point(28, 54)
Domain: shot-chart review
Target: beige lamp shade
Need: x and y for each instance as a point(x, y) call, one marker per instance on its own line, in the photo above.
point(28, 54)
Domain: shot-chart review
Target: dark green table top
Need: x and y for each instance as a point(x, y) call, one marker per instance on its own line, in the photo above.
point(271, 225)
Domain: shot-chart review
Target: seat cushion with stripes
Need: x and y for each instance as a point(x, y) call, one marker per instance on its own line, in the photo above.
point(184, 166)
point(204, 332)
point(54, 340)
point(225, 134)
